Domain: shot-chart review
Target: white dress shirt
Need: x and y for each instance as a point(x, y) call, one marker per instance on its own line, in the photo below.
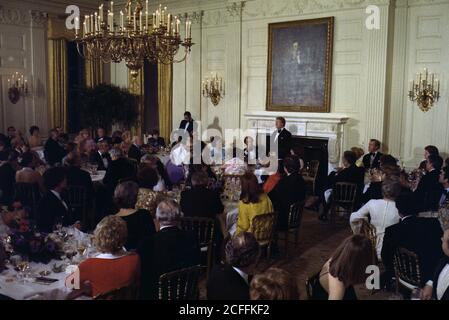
point(57, 195)
point(443, 282)
point(383, 213)
point(278, 133)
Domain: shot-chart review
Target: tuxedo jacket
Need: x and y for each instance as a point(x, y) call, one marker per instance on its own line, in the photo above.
point(167, 250)
point(429, 191)
point(289, 190)
point(367, 161)
point(443, 262)
point(50, 211)
point(135, 153)
point(284, 143)
point(119, 169)
point(183, 123)
point(201, 202)
point(419, 235)
point(95, 157)
point(7, 180)
point(53, 152)
point(225, 283)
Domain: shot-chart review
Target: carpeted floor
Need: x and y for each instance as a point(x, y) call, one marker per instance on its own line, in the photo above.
point(317, 241)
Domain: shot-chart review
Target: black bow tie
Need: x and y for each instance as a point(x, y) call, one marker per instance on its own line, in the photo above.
point(280, 130)
point(372, 154)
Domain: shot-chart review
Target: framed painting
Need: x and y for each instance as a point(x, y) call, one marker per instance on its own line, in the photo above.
point(300, 65)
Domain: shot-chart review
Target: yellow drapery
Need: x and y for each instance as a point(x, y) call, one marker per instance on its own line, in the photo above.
point(165, 99)
point(57, 71)
point(93, 72)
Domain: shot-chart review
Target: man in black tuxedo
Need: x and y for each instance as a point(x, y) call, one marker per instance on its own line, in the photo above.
point(429, 189)
point(200, 201)
point(167, 250)
point(282, 137)
point(52, 208)
point(230, 281)
point(8, 178)
point(4, 151)
point(419, 235)
point(372, 159)
point(119, 168)
point(438, 288)
point(135, 151)
point(101, 156)
point(53, 151)
point(290, 189)
point(444, 180)
point(187, 123)
point(102, 136)
point(12, 134)
point(156, 141)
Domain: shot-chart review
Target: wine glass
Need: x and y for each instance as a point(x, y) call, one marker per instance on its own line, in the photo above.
point(22, 266)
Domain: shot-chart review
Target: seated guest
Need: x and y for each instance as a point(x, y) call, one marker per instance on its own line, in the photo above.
point(230, 281)
point(52, 209)
point(86, 148)
point(372, 159)
point(113, 268)
point(359, 155)
point(345, 269)
point(83, 135)
point(4, 151)
point(419, 235)
point(290, 190)
point(156, 141)
point(252, 202)
point(8, 178)
point(35, 139)
point(147, 199)
point(27, 174)
point(382, 213)
point(274, 284)
point(388, 160)
point(53, 151)
point(349, 173)
point(125, 146)
point(438, 288)
point(154, 162)
point(200, 201)
point(210, 175)
point(11, 134)
point(18, 145)
point(444, 180)
point(117, 134)
point(250, 151)
point(139, 222)
point(101, 157)
point(168, 250)
point(71, 148)
point(374, 190)
point(102, 136)
point(428, 151)
point(135, 150)
point(119, 168)
point(116, 142)
point(127, 137)
point(429, 188)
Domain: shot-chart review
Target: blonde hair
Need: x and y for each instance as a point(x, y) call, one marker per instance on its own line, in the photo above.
point(110, 234)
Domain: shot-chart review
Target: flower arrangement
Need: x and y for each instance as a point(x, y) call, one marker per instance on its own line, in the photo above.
point(39, 247)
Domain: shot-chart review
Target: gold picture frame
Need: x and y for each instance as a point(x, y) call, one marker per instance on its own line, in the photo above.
point(299, 73)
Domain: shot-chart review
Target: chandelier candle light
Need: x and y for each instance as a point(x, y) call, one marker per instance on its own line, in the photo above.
point(213, 88)
point(139, 35)
point(425, 90)
point(17, 87)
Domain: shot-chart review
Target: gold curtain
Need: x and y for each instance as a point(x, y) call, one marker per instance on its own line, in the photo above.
point(93, 71)
point(136, 86)
point(165, 99)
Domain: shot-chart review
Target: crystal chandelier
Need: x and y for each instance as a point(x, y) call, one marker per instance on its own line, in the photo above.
point(139, 35)
point(17, 87)
point(213, 88)
point(425, 90)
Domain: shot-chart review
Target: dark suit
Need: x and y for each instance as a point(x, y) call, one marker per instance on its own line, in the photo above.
point(156, 143)
point(284, 142)
point(429, 190)
point(376, 161)
point(419, 235)
point(135, 153)
point(442, 264)
point(119, 169)
point(95, 157)
point(289, 190)
point(51, 211)
point(168, 250)
point(7, 180)
point(183, 123)
point(201, 202)
point(225, 283)
point(78, 177)
point(53, 152)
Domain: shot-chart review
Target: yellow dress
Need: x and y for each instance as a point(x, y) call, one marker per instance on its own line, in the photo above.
point(247, 212)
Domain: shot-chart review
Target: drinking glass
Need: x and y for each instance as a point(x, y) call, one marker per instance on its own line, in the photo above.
point(22, 266)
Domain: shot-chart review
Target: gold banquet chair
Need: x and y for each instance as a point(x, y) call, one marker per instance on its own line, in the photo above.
point(262, 227)
point(180, 285)
point(407, 269)
point(294, 224)
point(343, 199)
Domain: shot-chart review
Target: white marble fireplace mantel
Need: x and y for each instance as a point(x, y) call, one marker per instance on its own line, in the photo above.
point(303, 124)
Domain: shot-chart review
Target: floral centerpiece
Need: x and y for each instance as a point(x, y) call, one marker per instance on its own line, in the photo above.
point(39, 247)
